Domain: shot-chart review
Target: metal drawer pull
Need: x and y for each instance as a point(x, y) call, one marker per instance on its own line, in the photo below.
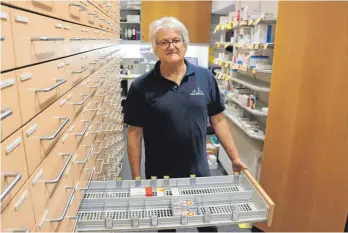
point(65, 208)
point(85, 130)
point(53, 136)
point(16, 179)
point(56, 180)
point(101, 167)
point(83, 101)
point(83, 69)
point(97, 108)
point(5, 113)
point(45, 38)
point(88, 156)
point(89, 179)
point(100, 148)
point(77, 38)
point(48, 89)
point(82, 8)
point(106, 147)
point(2, 38)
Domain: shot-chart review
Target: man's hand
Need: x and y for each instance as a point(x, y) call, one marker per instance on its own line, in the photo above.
point(238, 165)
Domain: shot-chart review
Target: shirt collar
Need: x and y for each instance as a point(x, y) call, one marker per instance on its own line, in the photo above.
point(190, 69)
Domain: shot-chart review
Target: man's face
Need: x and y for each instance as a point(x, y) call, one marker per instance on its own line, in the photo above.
point(169, 52)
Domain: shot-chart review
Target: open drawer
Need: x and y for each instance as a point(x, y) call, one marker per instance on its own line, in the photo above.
point(174, 203)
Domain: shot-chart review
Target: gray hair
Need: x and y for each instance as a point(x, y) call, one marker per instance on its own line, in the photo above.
point(168, 22)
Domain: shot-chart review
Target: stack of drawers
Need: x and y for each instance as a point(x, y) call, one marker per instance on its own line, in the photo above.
point(61, 117)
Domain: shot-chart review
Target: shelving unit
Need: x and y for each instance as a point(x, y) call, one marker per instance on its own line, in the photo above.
point(246, 77)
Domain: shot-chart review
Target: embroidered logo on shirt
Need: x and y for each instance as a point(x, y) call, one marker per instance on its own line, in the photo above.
point(198, 92)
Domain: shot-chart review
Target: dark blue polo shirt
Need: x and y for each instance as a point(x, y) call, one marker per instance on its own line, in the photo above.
point(174, 119)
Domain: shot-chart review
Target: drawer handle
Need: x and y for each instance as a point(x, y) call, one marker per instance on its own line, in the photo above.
point(100, 148)
point(82, 8)
point(56, 180)
point(45, 38)
point(99, 127)
point(95, 109)
point(48, 89)
point(53, 136)
point(16, 179)
point(6, 113)
point(104, 113)
point(101, 167)
point(2, 38)
point(77, 38)
point(83, 101)
point(88, 156)
point(65, 208)
point(89, 179)
point(106, 93)
point(83, 69)
point(85, 130)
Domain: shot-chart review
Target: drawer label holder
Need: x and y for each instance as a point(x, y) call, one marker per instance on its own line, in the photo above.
point(7, 83)
point(25, 77)
point(13, 145)
point(22, 19)
point(37, 177)
point(21, 200)
point(31, 130)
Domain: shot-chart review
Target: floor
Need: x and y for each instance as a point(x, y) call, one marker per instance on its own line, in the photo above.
point(126, 175)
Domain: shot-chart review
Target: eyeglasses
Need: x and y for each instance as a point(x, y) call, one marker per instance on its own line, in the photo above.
point(164, 44)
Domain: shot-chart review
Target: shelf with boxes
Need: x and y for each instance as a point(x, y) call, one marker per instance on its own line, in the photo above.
point(130, 24)
point(244, 76)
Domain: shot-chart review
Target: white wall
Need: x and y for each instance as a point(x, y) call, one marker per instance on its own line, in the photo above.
point(200, 51)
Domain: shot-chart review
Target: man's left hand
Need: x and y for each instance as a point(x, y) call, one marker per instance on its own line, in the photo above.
point(238, 165)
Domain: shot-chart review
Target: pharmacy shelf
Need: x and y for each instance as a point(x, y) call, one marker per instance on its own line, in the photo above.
point(252, 72)
point(243, 23)
point(173, 203)
point(257, 111)
point(253, 84)
point(235, 120)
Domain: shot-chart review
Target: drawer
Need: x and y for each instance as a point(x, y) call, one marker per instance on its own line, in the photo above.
point(55, 169)
point(34, 41)
point(74, 11)
point(7, 53)
point(10, 110)
point(41, 133)
point(77, 68)
point(73, 42)
point(39, 86)
point(40, 6)
point(14, 171)
point(19, 213)
point(59, 208)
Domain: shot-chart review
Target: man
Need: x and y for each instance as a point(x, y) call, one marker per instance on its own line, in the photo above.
point(170, 106)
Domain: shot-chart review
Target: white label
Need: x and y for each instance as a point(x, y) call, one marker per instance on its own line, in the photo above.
point(13, 145)
point(65, 137)
point(25, 77)
point(59, 25)
point(62, 102)
point(69, 97)
point(22, 19)
point(60, 65)
point(3, 15)
point(86, 30)
point(68, 170)
point(7, 83)
point(21, 200)
point(31, 130)
point(66, 27)
point(82, 29)
point(37, 177)
point(71, 128)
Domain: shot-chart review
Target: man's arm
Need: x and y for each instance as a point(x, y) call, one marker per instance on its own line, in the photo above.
point(220, 126)
point(134, 138)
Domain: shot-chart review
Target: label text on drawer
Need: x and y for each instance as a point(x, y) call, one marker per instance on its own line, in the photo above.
point(62, 102)
point(25, 77)
point(37, 177)
point(7, 83)
point(59, 25)
point(31, 130)
point(13, 145)
point(60, 65)
point(22, 19)
point(3, 15)
point(66, 27)
point(21, 200)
